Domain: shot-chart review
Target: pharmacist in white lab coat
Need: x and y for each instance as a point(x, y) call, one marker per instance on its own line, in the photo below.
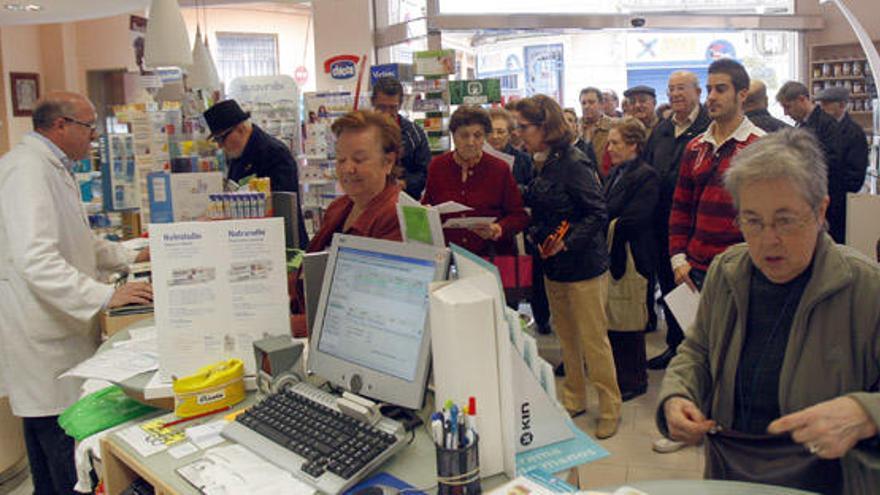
point(49, 295)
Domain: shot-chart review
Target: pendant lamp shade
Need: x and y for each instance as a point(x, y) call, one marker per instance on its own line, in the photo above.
point(166, 42)
point(202, 73)
point(215, 76)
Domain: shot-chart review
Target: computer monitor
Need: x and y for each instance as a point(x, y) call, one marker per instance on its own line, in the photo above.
point(313, 265)
point(371, 334)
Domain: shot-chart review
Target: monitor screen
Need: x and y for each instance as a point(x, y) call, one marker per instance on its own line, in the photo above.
point(371, 332)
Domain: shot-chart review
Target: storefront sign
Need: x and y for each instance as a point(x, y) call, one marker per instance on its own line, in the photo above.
point(476, 92)
point(341, 66)
point(434, 63)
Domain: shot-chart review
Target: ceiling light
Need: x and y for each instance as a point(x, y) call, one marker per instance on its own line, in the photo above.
point(166, 42)
point(17, 7)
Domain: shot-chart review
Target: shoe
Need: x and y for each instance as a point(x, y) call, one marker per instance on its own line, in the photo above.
point(626, 395)
point(559, 370)
point(606, 428)
point(666, 446)
point(662, 361)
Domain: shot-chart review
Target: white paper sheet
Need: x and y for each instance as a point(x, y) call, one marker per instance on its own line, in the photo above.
point(138, 439)
point(157, 388)
point(684, 303)
point(451, 207)
point(233, 469)
point(115, 365)
point(139, 345)
point(206, 435)
point(508, 159)
point(182, 450)
point(142, 333)
point(467, 222)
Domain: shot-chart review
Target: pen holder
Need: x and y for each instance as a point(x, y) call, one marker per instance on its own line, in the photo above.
point(458, 470)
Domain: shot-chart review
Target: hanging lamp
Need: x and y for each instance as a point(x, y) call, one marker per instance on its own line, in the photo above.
point(166, 42)
point(202, 73)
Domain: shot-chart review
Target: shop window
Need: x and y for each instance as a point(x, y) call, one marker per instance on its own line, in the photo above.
point(389, 12)
point(246, 54)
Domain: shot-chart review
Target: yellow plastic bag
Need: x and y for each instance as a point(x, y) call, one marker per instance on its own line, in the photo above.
point(210, 388)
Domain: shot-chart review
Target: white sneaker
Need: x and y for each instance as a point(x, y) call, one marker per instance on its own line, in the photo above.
point(666, 446)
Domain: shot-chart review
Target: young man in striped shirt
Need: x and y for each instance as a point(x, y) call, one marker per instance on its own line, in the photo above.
point(702, 221)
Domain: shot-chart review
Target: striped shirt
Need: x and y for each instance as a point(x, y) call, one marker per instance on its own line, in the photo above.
point(701, 224)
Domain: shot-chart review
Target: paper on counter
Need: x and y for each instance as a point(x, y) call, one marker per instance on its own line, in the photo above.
point(448, 207)
point(157, 388)
point(206, 435)
point(182, 450)
point(140, 441)
point(115, 365)
point(467, 222)
point(139, 345)
point(683, 302)
point(143, 333)
point(235, 469)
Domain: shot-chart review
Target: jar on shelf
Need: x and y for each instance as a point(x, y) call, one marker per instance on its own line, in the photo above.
point(858, 87)
point(857, 68)
point(818, 87)
point(838, 69)
point(847, 68)
point(847, 84)
point(827, 70)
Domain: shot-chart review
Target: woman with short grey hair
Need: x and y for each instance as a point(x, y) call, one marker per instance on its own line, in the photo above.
point(780, 372)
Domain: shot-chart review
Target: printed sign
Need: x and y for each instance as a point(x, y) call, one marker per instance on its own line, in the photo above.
point(341, 66)
point(434, 63)
point(301, 75)
point(475, 92)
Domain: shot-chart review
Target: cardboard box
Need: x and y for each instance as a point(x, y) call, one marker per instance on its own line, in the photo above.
point(112, 324)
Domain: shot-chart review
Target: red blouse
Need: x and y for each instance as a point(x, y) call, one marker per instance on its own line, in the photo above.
point(378, 220)
point(489, 189)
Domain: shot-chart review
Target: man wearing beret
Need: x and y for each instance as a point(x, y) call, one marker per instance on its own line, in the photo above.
point(853, 140)
point(643, 100)
point(252, 152)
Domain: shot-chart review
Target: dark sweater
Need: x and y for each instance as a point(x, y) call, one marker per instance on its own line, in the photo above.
point(770, 315)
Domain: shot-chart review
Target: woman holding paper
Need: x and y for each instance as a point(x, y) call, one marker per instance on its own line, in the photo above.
point(568, 226)
point(480, 181)
point(631, 191)
point(367, 148)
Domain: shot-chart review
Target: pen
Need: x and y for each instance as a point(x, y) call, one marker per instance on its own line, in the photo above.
point(437, 430)
point(453, 418)
point(472, 414)
point(197, 416)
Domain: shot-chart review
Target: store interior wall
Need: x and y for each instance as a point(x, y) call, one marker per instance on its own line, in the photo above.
point(289, 26)
point(341, 27)
point(837, 29)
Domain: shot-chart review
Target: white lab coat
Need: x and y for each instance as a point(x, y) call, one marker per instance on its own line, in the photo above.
point(49, 295)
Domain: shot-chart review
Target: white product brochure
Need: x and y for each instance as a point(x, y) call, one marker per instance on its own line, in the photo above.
point(114, 365)
point(468, 222)
point(217, 287)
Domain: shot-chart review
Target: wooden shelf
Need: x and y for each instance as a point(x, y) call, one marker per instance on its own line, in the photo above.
point(837, 60)
point(839, 78)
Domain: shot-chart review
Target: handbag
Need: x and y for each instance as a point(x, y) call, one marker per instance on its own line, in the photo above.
point(763, 458)
point(626, 307)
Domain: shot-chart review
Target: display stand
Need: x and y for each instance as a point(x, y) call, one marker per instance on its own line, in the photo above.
point(480, 350)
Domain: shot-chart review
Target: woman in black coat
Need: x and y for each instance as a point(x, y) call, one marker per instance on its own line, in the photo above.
point(632, 190)
point(566, 192)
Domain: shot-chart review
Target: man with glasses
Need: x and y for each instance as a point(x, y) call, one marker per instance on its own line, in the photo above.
point(387, 96)
point(253, 152)
point(663, 151)
point(50, 293)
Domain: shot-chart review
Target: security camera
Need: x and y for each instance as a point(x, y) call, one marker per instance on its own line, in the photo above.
point(637, 22)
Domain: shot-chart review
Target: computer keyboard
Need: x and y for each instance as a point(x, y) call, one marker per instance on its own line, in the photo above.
point(302, 431)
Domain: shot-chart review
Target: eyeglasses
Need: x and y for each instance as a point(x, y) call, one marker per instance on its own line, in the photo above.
point(784, 225)
point(522, 127)
point(219, 138)
point(93, 127)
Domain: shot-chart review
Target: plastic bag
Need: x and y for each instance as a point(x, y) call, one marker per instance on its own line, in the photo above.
point(99, 411)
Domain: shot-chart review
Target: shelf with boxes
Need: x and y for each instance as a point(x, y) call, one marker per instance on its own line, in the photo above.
point(845, 65)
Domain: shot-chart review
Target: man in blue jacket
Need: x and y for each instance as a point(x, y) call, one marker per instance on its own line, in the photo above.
point(387, 96)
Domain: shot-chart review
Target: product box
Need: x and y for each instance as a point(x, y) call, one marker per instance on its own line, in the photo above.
point(110, 324)
point(181, 197)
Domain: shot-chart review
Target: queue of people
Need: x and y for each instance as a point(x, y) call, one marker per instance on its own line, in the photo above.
point(779, 376)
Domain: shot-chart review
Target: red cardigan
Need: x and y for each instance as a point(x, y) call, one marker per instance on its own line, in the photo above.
point(490, 190)
point(379, 221)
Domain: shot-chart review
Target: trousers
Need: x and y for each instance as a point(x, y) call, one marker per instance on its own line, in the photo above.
point(50, 454)
point(580, 322)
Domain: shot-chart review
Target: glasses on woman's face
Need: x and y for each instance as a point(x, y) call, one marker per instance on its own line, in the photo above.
point(522, 127)
point(783, 225)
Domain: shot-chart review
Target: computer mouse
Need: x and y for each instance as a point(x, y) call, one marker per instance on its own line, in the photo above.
point(377, 490)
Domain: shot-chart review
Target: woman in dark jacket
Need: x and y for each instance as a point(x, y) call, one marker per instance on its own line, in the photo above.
point(566, 190)
point(631, 191)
